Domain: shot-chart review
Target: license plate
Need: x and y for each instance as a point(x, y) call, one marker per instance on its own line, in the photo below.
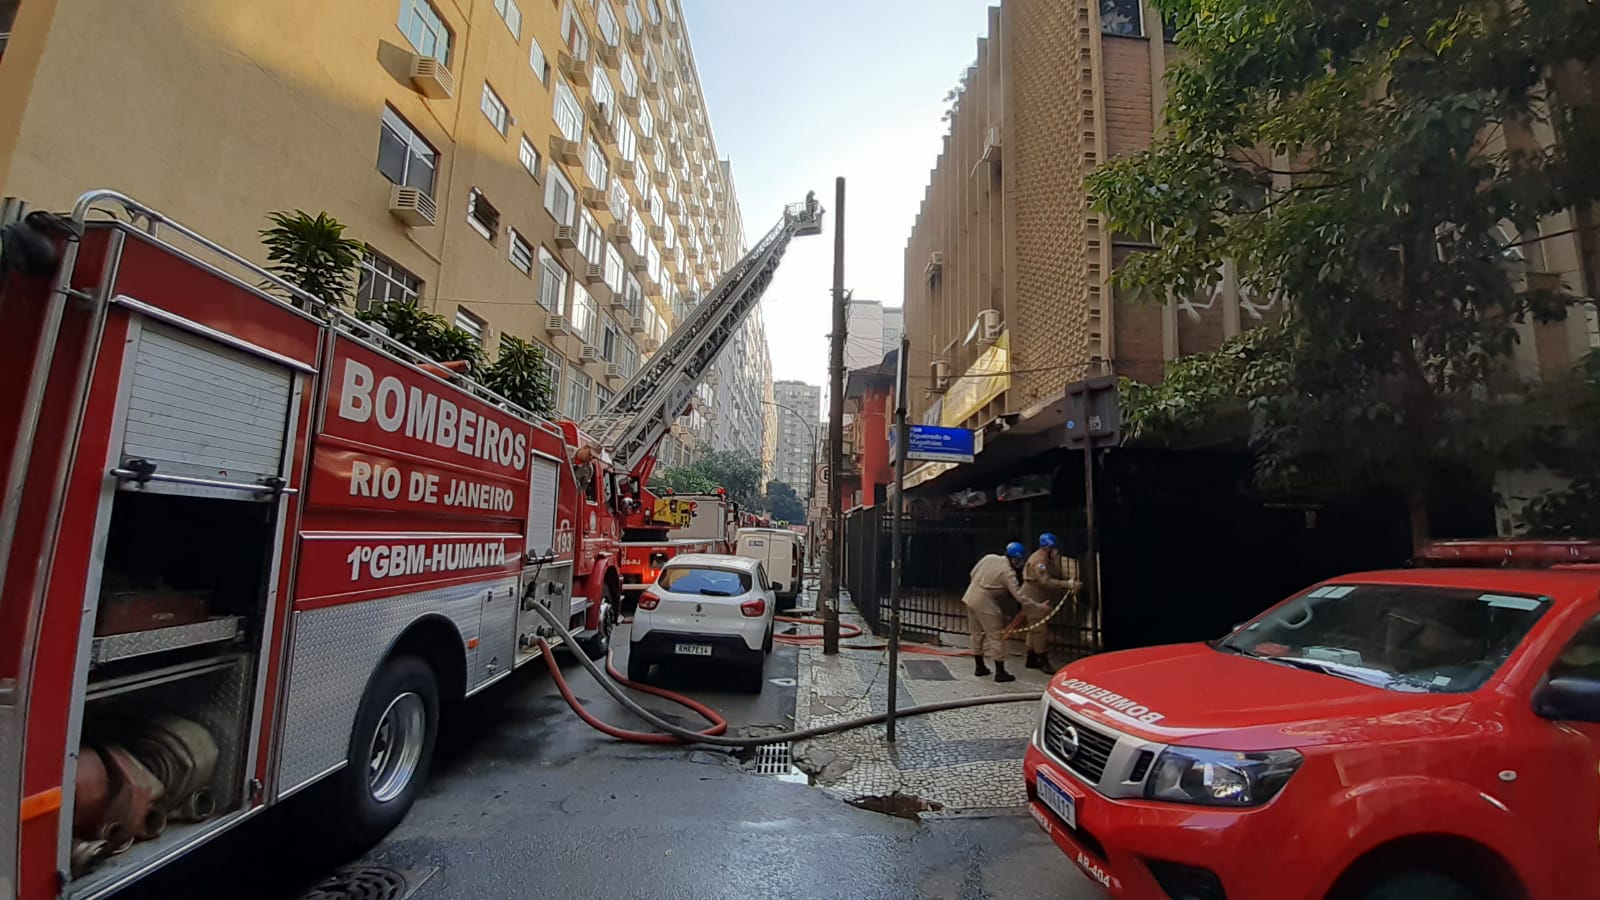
point(1057, 799)
point(693, 649)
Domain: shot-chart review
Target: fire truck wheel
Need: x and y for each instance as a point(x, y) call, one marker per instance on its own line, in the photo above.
point(390, 750)
point(600, 644)
point(1419, 885)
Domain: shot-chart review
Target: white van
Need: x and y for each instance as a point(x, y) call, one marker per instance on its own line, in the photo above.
point(780, 551)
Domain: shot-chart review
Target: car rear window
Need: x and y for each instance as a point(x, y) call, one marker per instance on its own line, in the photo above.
point(706, 582)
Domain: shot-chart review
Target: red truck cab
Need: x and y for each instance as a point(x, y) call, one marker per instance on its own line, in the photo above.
point(1418, 734)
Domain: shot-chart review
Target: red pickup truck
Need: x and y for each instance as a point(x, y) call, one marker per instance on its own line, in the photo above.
point(1430, 733)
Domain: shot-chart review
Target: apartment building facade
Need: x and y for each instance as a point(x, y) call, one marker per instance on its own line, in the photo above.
point(1007, 270)
point(537, 169)
point(798, 408)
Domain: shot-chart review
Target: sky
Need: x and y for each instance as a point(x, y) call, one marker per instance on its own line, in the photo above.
point(802, 93)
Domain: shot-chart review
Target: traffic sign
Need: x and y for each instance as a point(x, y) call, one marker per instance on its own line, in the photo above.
point(1093, 413)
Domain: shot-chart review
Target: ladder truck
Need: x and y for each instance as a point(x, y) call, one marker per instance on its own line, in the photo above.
point(248, 543)
point(632, 426)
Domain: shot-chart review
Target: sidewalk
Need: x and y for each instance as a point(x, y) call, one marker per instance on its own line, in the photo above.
point(966, 761)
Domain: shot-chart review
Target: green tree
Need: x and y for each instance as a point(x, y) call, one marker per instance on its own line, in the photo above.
point(735, 473)
point(1370, 163)
point(519, 375)
point(428, 333)
point(313, 254)
point(1574, 452)
point(784, 503)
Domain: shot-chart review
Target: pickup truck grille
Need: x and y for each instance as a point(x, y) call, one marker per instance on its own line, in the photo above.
point(1087, 755)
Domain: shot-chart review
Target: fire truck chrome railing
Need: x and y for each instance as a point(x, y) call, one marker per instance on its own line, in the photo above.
point(141, 476)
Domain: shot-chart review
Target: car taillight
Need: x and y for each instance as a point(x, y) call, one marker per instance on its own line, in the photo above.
point(753, 608)
point(649, 601)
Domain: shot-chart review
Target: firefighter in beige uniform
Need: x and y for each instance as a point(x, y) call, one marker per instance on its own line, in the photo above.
point(993, 577)
point(1046, 578)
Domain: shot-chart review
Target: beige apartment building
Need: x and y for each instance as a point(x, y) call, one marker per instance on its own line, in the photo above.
point(523, 167)
point(1007, 269)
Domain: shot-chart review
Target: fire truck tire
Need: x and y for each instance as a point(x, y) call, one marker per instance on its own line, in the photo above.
point(391, 749)
point(1420, 885)
point(600, 644)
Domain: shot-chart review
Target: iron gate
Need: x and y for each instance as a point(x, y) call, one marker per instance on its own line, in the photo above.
point(941, 546)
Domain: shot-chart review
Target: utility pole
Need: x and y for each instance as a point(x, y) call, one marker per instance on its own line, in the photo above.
point(897, 508)
point(830, 575)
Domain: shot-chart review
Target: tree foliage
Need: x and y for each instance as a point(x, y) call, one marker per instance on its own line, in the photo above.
point(1374, 165)
point(519, 374)
point(736, 473)
point(313, 254)
point(427, 333)
point(784, 503)
point(1575, 454)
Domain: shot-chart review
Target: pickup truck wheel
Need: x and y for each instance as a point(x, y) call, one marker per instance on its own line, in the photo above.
point(1420, 885)
point(391, 748)
point(598, 645)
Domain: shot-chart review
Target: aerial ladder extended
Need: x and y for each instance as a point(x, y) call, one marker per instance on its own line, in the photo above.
point(641, 414)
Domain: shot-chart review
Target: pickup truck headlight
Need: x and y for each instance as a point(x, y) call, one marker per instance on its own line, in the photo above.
point(1220, 777)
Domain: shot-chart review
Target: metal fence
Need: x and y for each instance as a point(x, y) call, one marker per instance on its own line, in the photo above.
point(941, 546)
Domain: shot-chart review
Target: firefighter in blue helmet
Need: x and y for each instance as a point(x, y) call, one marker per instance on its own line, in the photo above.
point(1048, 579)
point(993, 578)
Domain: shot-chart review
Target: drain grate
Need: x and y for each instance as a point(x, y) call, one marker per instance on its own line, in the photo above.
point(777, 761)
point(367, 883)
point(774, 759)
point(927, 670)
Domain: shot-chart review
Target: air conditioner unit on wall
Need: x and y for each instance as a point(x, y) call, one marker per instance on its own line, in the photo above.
point(935, 264)
point(566, 151)
point(589, 354)
point(989, 326)
point(413, 206)
point(594, 273)
point(941, 376)
point(432, 78)
point(566, 237)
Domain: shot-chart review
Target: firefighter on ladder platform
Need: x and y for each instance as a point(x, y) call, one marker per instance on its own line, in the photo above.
point(1048, 579)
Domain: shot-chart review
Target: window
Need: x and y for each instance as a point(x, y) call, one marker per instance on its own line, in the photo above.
point(590, 238)
point(425, 29)
point(607, 20)
point(470, 323)
point(629, 76)
point(537, 61)
point(672, 187)
point(594, 164)
point(482, 215)
point(610, 338)
point(1121, 17)
point(552, 283)
point(568, 114)
point(602, 399)
point(656, 208)
point(603, 93)
point(1591, 321)
point(651, 70)
point(554, 365)
point(635, 20)
point(494, 109)
point(639, 237)
point(521, 253)
point(632, 292)
point(403, 156)
point(583, 313)
point(671, 234)
point(511, 14)
point(1581, 657)
point(654, 11)
point(614, 269)
point(627, 144)
point(529, 156)
point(383, 281)
point(653, 263)
point(573, 33)
point(577, 394)
point(647, 122)
point(618, 201)
point(558, 196)
point(630, 359)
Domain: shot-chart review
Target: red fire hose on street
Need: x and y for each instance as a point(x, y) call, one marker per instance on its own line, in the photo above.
point(672, 733)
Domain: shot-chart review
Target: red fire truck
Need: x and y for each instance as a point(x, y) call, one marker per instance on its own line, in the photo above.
point(248, 543)
point(679, 523)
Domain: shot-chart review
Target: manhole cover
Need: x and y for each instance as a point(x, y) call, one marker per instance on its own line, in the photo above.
point(927, 670)
point(367, 883)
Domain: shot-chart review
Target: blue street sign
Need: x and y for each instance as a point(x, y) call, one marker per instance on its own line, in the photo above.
point(931, 444)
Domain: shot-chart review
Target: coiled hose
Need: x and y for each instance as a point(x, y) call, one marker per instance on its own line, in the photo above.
point(714, 735)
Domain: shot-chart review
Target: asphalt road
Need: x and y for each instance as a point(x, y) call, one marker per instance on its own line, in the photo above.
point(528, 801)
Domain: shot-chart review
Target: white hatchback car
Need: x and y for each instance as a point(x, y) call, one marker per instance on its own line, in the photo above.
point(706, 607)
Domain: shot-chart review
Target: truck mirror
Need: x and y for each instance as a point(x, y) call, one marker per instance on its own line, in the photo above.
point(1569, 700)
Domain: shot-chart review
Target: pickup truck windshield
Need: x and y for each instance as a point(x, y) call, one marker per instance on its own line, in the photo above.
point(1397, 637)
